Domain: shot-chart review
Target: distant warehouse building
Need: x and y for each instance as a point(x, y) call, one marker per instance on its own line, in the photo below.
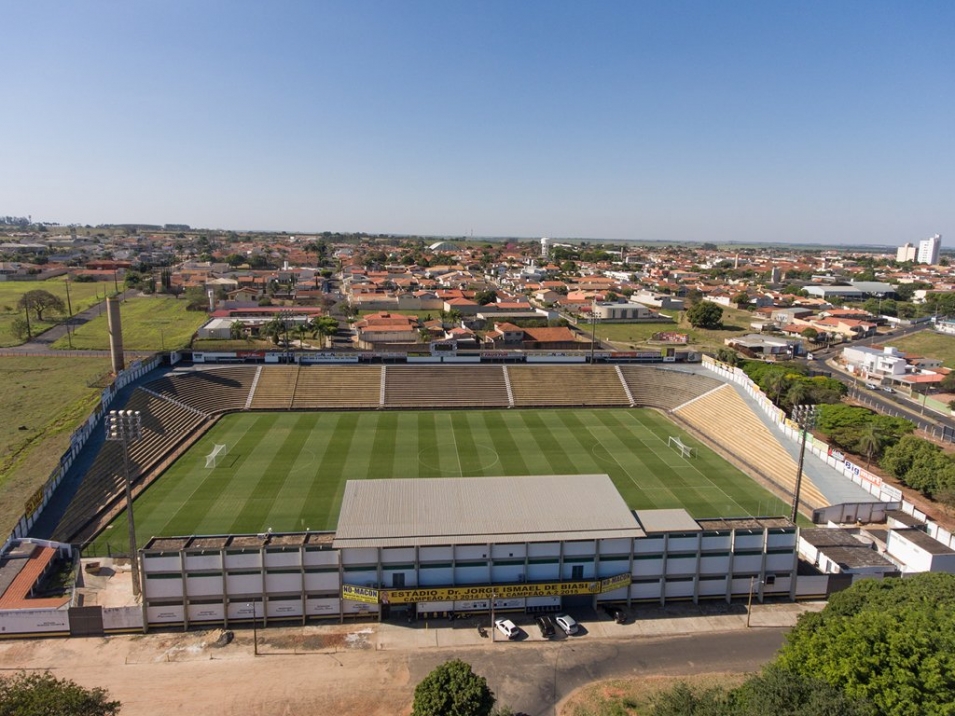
point(440, 546)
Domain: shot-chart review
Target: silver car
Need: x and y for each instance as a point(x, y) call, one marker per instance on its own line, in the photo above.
point(567, 623)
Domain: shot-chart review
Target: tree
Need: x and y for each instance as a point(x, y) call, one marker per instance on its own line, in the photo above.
point(870, 442)
point(705, 314)
point(891, 642)
point(324, 326)
point(947, 384)
point(39, 301)
point(44, 695)
point(236, 330)
point(452, 689)
point(20, 328)
point(485, 297)
point(741, 299)
point(810, 334)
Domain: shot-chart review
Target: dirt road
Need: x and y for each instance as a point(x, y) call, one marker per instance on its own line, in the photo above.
point(366, 669)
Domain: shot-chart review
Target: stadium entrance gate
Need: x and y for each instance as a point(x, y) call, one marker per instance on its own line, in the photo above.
point(86, 621)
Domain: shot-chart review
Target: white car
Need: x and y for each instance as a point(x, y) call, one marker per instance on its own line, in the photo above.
point(507, 628)
point(567, 623)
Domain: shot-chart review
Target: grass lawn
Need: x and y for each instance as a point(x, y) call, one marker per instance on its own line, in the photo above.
point(287, 471)
point(82, 296)
point(927, 343)
point(50, 397)
point(735, 323)
point(149, 323)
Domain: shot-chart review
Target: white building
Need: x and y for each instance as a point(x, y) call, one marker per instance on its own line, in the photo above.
point(928, 250)
point(908, 252)
point(545, 248)
point(886, 363)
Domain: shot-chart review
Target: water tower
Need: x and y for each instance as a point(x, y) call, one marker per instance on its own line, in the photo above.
point(545, 248)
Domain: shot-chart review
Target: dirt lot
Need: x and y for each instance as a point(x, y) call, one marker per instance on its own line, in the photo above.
point(369, 669)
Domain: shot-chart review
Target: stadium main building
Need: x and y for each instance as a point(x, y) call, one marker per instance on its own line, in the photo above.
point(440, 546)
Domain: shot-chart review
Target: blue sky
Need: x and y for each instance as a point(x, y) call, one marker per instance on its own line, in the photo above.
point(708, 121)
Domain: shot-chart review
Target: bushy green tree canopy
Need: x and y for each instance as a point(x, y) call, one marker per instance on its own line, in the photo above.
point(705, 314)
point(45, 695)
point(890, 642)
point(452, 689)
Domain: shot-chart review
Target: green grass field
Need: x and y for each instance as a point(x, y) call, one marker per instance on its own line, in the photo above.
point(927, 343)
point(82, 296)
point(45, 400)
point(287, 471)
point(150, 323)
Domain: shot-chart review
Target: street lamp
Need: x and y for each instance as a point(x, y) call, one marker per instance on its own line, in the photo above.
point(126, 426)
point(805, 417)
point(255, 631)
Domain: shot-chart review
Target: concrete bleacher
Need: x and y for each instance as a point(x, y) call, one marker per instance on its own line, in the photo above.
point(440, 386)
point(165, 425)
point(275, 387)
point(724, 418)
point(566, 385)
point(336, 387)
point(665, 389)
point(210, 391)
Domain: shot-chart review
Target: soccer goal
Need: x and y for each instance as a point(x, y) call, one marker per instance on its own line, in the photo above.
point(215, 457)
point(677, 444)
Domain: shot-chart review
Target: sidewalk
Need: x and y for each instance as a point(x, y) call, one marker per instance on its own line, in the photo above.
point(646, 622)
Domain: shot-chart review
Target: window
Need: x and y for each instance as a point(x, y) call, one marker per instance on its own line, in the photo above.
point(398, 580)
point(577, 571)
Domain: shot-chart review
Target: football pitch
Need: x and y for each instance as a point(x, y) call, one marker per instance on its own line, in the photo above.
point(287, 471)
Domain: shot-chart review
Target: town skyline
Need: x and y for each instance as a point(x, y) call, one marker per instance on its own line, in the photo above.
point(623, 122)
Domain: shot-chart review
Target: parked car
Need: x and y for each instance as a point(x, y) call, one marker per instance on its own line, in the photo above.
point(888, 389)
point(507, 628)
point(567, 623)
point(871, 386)
point(615, 613)
point(546, 625)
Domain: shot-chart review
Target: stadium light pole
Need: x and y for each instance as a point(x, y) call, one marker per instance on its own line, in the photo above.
point(126, 426)
point(805, 417)
point(593, 328)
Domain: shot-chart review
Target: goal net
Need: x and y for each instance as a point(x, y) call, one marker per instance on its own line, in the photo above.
point(677, 444)
point(215, 457)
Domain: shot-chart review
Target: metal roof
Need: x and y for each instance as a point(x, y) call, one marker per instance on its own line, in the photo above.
point(676, 520)
point(482, 510)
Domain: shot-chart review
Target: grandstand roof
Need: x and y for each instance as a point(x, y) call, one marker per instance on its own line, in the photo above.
point(482, 510)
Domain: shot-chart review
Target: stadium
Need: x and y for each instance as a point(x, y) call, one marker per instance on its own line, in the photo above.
point(281, 492)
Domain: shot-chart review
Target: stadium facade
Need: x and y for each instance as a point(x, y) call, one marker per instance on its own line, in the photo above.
point(437, 547)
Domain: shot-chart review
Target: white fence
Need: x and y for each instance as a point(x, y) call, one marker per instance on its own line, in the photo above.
point(868, 481)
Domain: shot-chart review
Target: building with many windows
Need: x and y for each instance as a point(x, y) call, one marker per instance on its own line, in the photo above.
point(928, 250)
point(441, 546)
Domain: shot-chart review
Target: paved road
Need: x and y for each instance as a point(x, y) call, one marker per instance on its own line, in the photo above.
point(41, 345)
point(534, 678)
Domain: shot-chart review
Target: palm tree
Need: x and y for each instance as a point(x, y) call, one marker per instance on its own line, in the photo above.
point(798, 393)
point(236, 330)
point(775, 383)
point(870, 442)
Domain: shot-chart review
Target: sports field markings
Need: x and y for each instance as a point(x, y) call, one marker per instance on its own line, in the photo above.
point(624, 470)
point(434, 451)
point(693, 467)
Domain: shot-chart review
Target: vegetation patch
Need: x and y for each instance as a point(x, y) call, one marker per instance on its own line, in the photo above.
point(81, 297)
point(45, 400)
point(150, 323)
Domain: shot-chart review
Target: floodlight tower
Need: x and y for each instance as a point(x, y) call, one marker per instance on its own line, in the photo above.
point(805, 417)
point(126, 426)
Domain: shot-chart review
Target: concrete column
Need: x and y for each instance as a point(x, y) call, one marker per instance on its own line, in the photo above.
point(115, 334)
